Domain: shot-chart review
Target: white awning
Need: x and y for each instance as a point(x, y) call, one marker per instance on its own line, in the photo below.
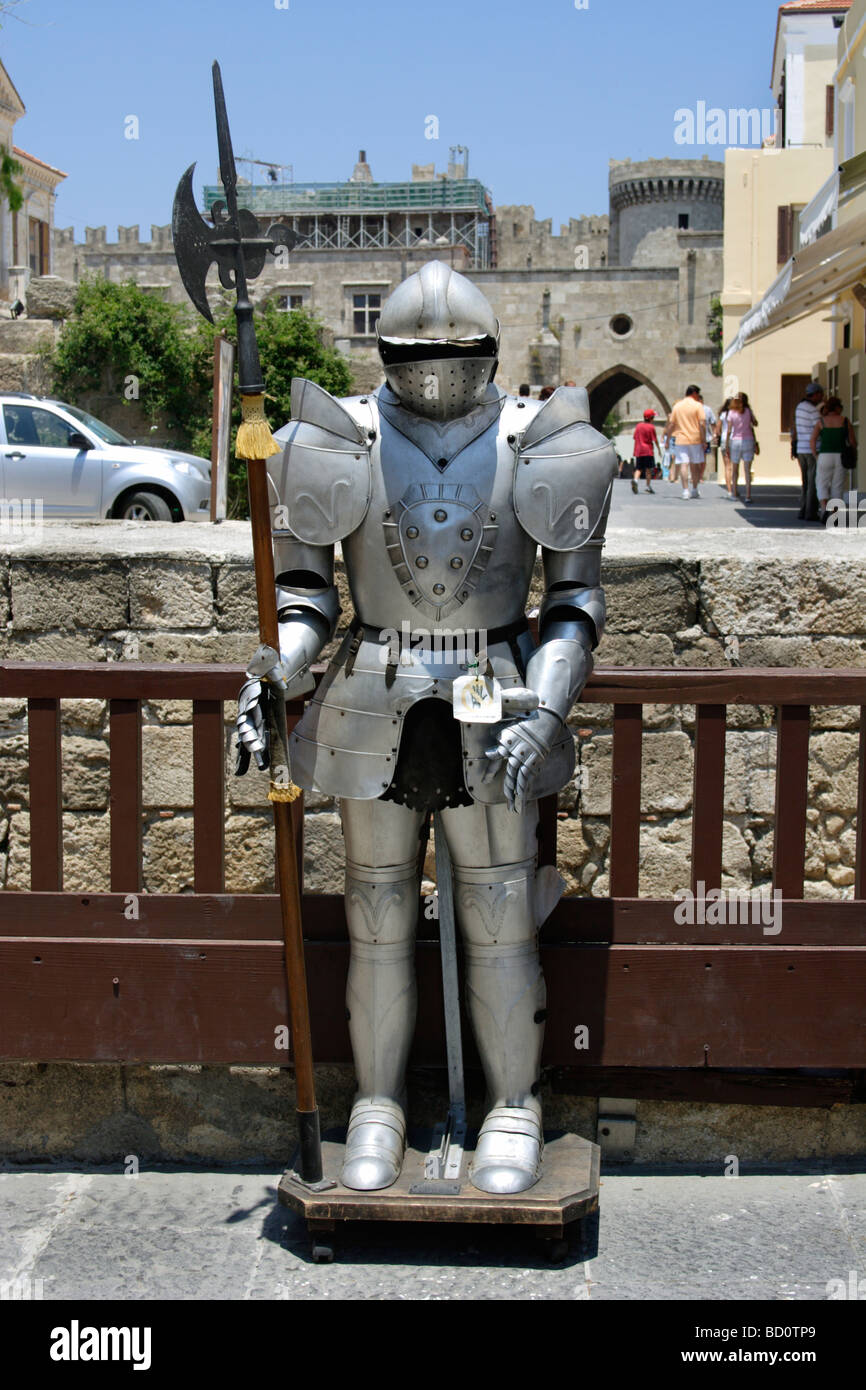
point(811, 280)
point(818, 215)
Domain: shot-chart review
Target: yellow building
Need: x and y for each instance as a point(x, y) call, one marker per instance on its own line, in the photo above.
point(25, 235)
point(766, 194)
point(822, 285)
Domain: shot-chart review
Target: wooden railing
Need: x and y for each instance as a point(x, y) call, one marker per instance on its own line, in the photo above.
point(197, 977)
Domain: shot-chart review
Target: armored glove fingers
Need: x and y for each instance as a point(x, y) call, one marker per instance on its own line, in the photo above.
point(252, 727)
point(524, 746)
point(269, 673)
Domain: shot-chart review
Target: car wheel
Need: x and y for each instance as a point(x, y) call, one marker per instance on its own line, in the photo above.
point(145, 506)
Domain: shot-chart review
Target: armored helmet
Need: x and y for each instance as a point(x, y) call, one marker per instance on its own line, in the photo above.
point(439, 342)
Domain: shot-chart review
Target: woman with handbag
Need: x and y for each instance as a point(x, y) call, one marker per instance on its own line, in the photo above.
point(835, 445)
point(742, 444)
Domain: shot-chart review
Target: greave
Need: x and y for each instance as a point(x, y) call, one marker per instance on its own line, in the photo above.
point(381, 908)
point(506, 995)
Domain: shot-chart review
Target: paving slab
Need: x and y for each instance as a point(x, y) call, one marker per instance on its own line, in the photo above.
point(173, 1234)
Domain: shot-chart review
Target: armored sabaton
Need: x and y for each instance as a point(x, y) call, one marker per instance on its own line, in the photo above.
point(439, 524)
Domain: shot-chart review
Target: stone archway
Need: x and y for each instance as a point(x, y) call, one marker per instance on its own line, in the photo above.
point(611, 385)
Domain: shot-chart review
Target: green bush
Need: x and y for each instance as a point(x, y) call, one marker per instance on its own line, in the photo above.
point(119, 331)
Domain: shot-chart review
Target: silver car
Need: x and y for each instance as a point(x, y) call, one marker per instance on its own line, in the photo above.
point(73, 465)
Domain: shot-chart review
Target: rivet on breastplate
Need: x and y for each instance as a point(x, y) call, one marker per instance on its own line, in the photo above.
point(511, 439)
point(439, 515)
point(456, 563)
point(438, 588)
point(411, 531)
point(422, 562)
point(466, 534)
point(492, 516)
point(441, 463)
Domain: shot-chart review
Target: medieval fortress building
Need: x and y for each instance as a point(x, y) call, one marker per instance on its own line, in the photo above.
point(618, 302)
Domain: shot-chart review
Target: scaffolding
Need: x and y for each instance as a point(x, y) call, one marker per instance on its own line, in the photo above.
point(375, 216)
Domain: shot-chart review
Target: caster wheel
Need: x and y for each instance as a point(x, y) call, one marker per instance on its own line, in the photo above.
point(322, 1254)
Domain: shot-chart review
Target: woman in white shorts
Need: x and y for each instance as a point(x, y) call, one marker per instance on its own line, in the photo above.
point(828, 437)
point(741, 425)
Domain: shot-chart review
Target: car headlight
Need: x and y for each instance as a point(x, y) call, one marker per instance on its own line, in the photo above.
point(191, 469)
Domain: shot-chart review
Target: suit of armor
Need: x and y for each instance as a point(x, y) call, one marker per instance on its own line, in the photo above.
point(440, 489)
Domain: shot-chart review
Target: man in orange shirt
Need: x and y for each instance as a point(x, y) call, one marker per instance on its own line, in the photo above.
point(688, 425)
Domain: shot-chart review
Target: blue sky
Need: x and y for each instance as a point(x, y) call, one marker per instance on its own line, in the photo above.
point(544, 93)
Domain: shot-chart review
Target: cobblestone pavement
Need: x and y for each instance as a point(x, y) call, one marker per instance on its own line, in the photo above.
point(170, 1234)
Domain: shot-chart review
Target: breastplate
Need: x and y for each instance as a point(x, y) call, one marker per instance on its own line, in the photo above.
point(440, 542)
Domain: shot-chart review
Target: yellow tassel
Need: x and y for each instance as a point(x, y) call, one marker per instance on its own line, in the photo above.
point(255, 440)
point(280, 792)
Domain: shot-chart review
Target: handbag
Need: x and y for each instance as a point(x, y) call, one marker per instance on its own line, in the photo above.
point(849, 450)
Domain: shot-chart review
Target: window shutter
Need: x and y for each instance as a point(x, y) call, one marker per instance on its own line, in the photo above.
point(785, 235)
point(830, 117)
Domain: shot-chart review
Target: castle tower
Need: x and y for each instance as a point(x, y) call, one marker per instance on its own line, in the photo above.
point(685, 194)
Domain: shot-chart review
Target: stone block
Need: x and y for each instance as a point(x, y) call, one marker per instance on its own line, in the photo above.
point(25, 335)
point(53, 647)
point(85, 773)
point(226, 648)
point(324, 853)
point(750, 772)
point(650, 596)
point(762, 598)
point(250, 853)
point(50, 297)
point(170, 594)
point(236, 598)
point(833, 760)
point(581, 849)
point(167, 766)
point(24, 371)
point(72, 595)
point(83, 716)
point(14, 768)
point(167, 855)
point(666, 773)
point(167, 712)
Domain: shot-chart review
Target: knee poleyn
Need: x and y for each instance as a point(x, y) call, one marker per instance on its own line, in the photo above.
point(381, 904)
point(497, 905)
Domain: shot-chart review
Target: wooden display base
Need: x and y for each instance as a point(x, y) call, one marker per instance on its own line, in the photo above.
point(566, 1192)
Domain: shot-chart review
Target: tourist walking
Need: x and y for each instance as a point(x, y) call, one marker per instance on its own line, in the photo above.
point(806, 417)
point(831, 437)
point(688, 422)
point(645, 449)
point(742, 444)
point(721, 442)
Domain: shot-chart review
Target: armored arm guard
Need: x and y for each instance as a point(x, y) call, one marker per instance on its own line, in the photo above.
point(562, 492)
point(320, 492)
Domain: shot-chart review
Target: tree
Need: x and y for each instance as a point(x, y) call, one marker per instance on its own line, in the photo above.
point(123, 340)
point(290, 344)
point(9, 189)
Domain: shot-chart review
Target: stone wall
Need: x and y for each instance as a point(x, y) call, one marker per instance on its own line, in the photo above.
point(119, 591)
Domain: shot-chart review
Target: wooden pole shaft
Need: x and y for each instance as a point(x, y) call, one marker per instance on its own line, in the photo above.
point(287, 875)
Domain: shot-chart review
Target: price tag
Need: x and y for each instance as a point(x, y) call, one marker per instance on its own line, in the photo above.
point(477, 699)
